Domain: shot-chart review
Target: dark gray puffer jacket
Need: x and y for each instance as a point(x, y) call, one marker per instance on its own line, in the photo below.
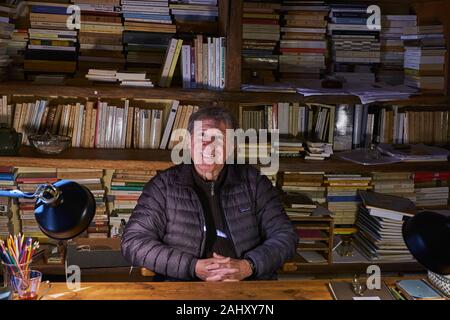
point(166, 233)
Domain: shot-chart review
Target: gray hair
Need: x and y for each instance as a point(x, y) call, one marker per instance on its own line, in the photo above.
point(217, 114)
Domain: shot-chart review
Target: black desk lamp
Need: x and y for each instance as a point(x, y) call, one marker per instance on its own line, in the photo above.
point(427, 236)
point(63, 210)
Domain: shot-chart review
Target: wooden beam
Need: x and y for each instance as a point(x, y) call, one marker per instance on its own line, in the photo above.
point(234, 44)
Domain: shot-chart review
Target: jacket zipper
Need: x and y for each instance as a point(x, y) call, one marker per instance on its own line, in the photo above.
point(212, 188)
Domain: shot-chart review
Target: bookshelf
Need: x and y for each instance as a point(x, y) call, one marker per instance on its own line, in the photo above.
point(230, 25)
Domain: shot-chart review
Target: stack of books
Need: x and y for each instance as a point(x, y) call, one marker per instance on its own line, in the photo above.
point(170, 62)
point(178, 119)
point(431, 188)
point(52, 46)
point(399, 184)
point(260, 37)
point(342, 195)
point(425, 51)
point(203, 64)
point(100, 35)
point(303, 45)
point(126, 187)
point(355, 47)
point(6, 30)
point(307, 183)
point(318, 150)
point(93, 180)
point(7, 182)
point(125, 78)
point(28, 179)
point(380, 221)
point(298, 205)
point(194, 11)
point(289, 147)
point(16, 50)
point(148, 29)
point(392, 50)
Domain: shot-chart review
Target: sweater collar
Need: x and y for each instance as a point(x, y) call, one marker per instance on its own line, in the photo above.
point(185, 175)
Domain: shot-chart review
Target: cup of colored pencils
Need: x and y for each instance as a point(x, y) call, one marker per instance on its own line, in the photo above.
point(16, 255)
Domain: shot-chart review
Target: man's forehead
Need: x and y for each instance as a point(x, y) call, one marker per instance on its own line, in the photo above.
point(209, 124)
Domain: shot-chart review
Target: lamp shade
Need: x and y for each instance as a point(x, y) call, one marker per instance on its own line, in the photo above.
point(427, 236)
point(69, 215)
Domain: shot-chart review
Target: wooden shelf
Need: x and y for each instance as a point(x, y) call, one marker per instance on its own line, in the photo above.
point(133, 159)
point(190, 95)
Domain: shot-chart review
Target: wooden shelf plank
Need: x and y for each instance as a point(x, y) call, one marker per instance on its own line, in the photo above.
point(133, 159)
point(190, 95)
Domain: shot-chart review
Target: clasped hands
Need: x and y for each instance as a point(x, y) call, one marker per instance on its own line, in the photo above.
point(220, 268)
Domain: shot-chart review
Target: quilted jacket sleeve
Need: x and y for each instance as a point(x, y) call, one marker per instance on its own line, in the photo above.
point(142, 238)
point(279, 236)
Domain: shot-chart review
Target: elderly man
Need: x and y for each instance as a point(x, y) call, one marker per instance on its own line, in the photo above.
point(209, 220)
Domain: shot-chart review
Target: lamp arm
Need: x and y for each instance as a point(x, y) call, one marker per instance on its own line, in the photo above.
point(17, 194)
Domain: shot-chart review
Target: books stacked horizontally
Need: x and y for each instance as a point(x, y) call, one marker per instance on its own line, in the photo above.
point(125, 78)
point(392, 50)
point(260, 36)
point(289, 147)
point(298, 204)
point(194, 11)
point(93, 180)
point(425, 51)
point(100, 35)
point(431, 188)
point(307, 183)
point(342, 195)
point(52, 46)
point(126, 187)
point(318, 150)
point(355, 47)
point(380, 221)
point(6, 29)
point(399, 184)
point(303, 45)
point(16, 50)
point(7, 182)
point(148, 29)
point(28, 179)
point(203, 64)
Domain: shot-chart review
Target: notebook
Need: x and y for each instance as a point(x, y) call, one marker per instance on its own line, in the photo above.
point(418, 290)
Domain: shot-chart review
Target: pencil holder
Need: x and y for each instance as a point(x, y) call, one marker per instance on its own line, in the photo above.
point(14, 270)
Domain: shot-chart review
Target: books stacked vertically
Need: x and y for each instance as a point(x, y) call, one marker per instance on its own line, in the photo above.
point(399, 184)
point(203, 64)
point(28, 118)
point(260, 36)
point(355, 47)
point(392, 50)
point(170, 62)
point(100, 35)
point(178, 119)
point(380, 220)
point(52, 46)
point(342, 195)
point(148, 29)
point(93, 180)
point(7, 182)
point(303, 45)
point(432, 188)
point(188, 13)
point(126, 187)
point(431, 127)
point(28, 179)
point(6, 30)
point(306, 183)
point(425, 51)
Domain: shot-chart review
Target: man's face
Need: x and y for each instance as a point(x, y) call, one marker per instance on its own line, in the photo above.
point(208, 147)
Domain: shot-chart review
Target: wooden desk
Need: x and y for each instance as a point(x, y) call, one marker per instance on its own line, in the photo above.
point(246, 290)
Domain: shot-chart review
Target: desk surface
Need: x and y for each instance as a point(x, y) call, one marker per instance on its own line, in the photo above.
point(245, 290)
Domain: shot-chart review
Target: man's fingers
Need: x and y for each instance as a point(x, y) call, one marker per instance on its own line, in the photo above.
point(230, 280)
point(224, 271)
point(212, 266)
point(214, 278)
